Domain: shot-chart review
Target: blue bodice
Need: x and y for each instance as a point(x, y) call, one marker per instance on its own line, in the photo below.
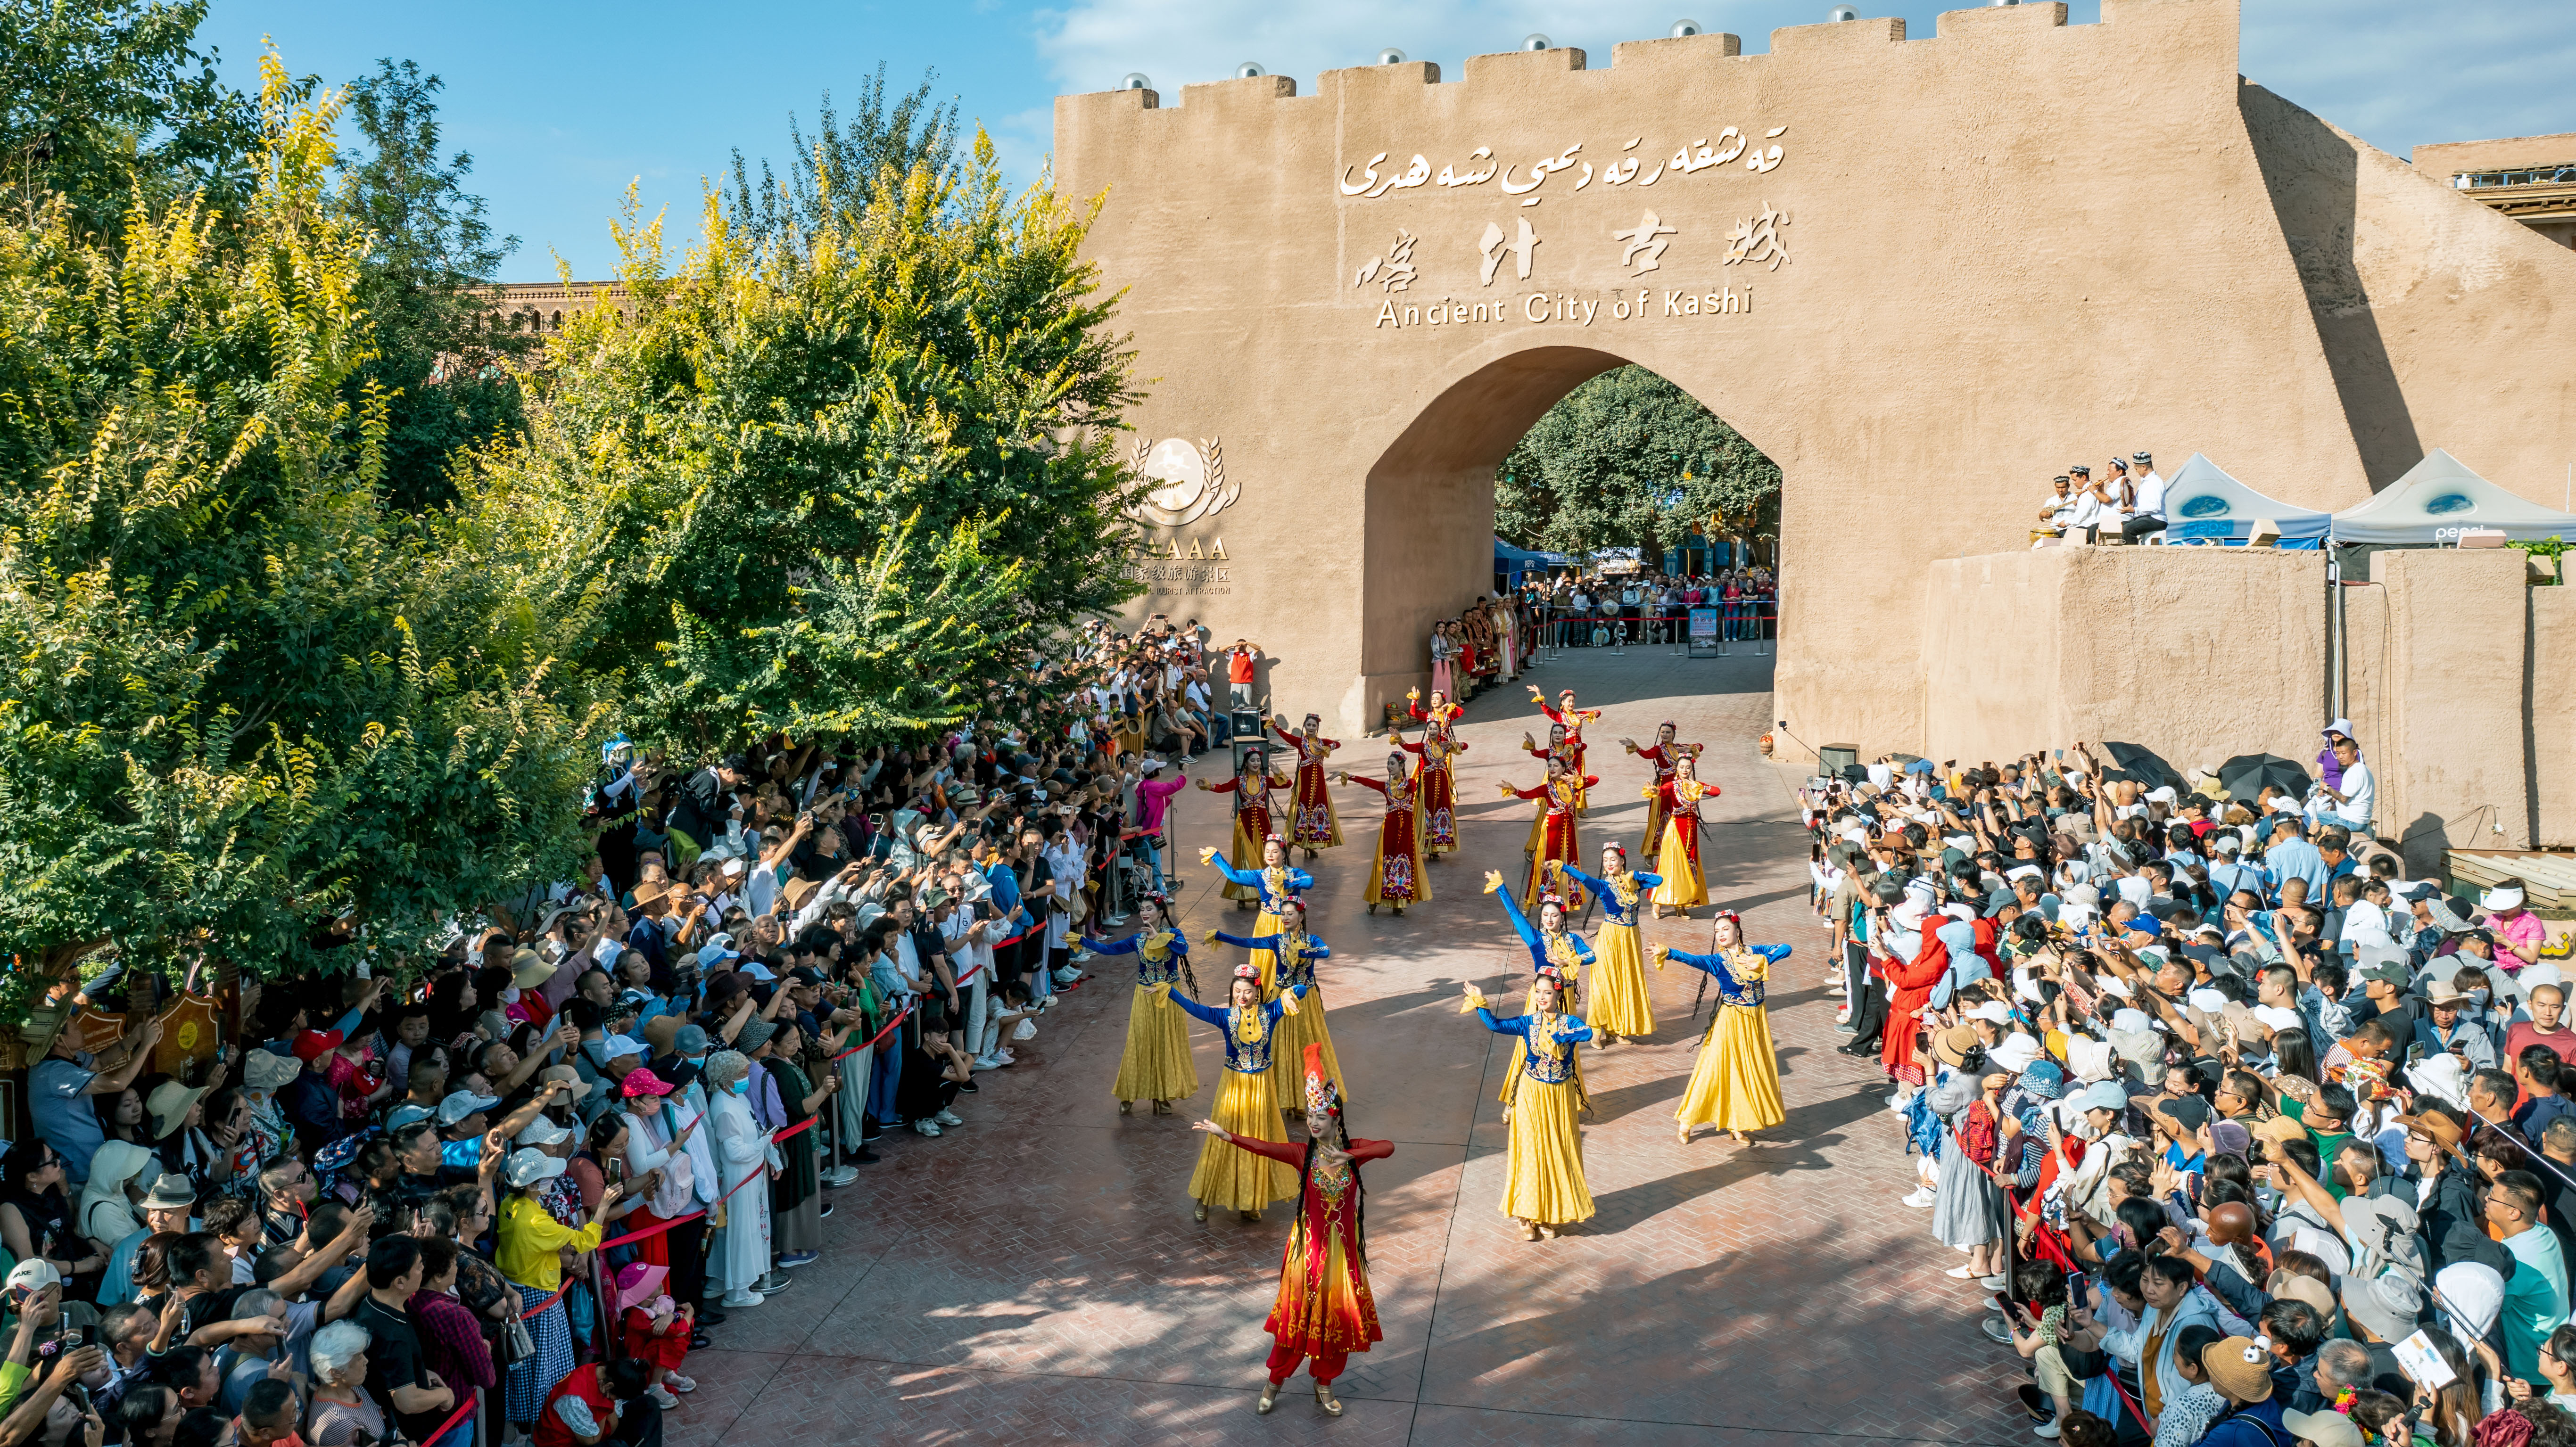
point(1158, 955)
point(1243, 1057)
point(1550, 1059)
point(1620, 899)
point(1740, 973)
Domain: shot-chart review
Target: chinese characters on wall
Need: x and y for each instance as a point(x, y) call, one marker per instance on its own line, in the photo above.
point(1755, 242)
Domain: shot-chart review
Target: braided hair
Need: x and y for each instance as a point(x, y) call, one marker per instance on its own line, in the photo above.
point(1162, 904)
point(1359, 1189)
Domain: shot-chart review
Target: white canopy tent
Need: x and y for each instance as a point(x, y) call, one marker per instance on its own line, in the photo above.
point(2203, 503)
point(2438, 498)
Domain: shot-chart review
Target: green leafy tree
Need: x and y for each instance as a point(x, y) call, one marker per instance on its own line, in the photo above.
point(248, 714)
point(1629, 460)
point(841, 472)
point(103, 102)
point(439, 362)
point(841, 162)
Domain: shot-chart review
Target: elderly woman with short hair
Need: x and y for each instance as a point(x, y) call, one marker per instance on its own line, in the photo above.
point(341, 1407)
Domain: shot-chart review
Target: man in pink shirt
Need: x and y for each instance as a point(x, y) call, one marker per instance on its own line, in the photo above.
point(2545, 1027)
point(1154, 795)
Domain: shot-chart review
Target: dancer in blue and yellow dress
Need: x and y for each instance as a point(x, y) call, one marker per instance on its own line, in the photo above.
point(1156, 1065)
point(1275, 882)
point(1543, 1187)
point(1225, 1176)
point(1616, 1004)
point(1736, 1084)
point(1554, 951)
point(1296, 952)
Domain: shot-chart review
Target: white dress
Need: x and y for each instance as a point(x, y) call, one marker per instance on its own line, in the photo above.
point(743, 1152)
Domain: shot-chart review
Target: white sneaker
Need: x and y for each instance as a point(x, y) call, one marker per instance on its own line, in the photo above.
point(1920, 1200)
point(662, 1399)
point(948, 1117)
point(677, 1383)
point(925, 1127)
point(1005, 1057)
point(987, 1062)
point(2045, 1429)
point(1066, 976)
point(1994, 1283)
point(737, 1299)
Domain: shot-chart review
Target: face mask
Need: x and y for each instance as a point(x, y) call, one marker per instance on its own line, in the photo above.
point(2479, 998)
point(510, 996)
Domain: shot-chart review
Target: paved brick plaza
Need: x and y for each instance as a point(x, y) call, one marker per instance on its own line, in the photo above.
point(1035, 1276)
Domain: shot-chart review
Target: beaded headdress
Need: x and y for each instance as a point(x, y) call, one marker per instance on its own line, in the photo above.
point(1322, 1098)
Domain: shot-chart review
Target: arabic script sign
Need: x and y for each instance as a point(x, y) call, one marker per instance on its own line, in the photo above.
point(1729, 146)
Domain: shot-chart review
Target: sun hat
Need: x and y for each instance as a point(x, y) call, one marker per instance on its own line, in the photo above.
point(2324, 1427)
point(2230, 1138)
point(2102, 1095)
point(543, 1132)
point(461, 1103)
point(2015, 1054)
point(2279, 1017)
point(639, 1282)
point(170, 1191)
point(2304, 1288)
point(528, 969)
point(168, 1105)
point(263, 1071)
point(1952, 1045)
point(2045, 1079)
point(566, 1075)
point(725, 1067)
point(2387, 1304)
point(528, 1165)
point(640, 1081)
point(2239, 1366)
point(662, 1033)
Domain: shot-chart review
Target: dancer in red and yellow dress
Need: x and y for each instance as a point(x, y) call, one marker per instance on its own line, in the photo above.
point(1663, 756)
point(1253, 824)
point(1324, 1311)
point(1543, 1185)
point(1554, 837)
point(1436, 774)
point(1678, 861)
point(1243, 1103)
point(1573, 719)
point(1736, 1083)
point(1396, 877)
point(1312, 824)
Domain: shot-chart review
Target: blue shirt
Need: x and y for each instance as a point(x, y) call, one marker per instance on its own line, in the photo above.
point(2299, 858)
point(1006, 890)
point(58, 1097)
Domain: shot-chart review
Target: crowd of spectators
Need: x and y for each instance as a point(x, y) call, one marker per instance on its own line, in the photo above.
point(500, 1189)
point(2244, 1134)
point(1585, 611)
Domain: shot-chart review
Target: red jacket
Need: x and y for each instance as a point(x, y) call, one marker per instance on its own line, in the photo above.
point(1909, 989)
point(583, 1382)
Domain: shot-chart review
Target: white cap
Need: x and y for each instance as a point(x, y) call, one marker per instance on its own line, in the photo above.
point(543, 1132)
point(2339, 726)
point(2015, 1053)
point(2501, 899)
point(528, 1165)
point(2130, 1020)
point(1992, 1011)
point(2207, 1000)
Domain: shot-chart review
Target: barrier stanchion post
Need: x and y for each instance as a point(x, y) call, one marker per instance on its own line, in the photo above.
point(1763, 626)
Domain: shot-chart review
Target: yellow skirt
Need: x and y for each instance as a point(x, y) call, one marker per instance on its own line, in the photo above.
point(1544, 1182)
point(1266, 961)
point(1682, 883)
point(1244, 854)
point(1237, 1180)
point(1618, 1003)
point(1157, 1064)
point(1736, 1084)
point(1288, 1051)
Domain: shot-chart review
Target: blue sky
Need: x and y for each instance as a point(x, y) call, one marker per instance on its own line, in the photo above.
point(563, 102)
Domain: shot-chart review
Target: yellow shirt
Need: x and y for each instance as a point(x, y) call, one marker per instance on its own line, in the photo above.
point(530, 1239)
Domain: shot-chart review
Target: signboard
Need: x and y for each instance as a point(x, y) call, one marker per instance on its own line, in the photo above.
point(1703, 633)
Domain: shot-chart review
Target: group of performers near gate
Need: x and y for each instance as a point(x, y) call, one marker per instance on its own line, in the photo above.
point(1279, 1059)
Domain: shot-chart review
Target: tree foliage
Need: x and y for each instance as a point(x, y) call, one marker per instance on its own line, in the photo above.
point(845, 467)
point(1629, 460)
point(107, 102)
point(841, 163)
point(247, 712)
point(439, 363)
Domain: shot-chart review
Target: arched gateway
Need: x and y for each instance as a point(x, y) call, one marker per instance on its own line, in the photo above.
point(1921, 275)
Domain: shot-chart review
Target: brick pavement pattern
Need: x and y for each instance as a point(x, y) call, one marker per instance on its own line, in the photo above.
point(1035, 1275)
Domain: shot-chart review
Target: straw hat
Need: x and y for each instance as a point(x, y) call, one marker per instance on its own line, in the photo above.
point(169, 1104)
point(263, 1071)
point(1952, 1045)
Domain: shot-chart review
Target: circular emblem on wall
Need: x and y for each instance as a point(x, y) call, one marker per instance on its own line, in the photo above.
point(1188, 478)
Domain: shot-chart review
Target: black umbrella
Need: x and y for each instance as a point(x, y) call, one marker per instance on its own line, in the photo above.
point(2244, 776)
point(2142, 763)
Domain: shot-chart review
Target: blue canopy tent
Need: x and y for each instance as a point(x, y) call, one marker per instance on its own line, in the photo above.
point(1513, 563)
point(2438, 498)
point(2204, 504)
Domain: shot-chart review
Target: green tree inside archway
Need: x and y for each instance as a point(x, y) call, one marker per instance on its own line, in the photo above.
point(1628, 460)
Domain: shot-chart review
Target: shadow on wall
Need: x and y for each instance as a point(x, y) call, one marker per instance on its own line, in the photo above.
point(2310, 172)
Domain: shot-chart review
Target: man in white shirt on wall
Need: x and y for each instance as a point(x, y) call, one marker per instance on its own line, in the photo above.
point(2352, 801)
point(2087, 516)
point(2148, 515)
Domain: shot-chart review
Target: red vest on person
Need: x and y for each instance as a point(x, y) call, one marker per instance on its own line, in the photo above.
point(582, 1383)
